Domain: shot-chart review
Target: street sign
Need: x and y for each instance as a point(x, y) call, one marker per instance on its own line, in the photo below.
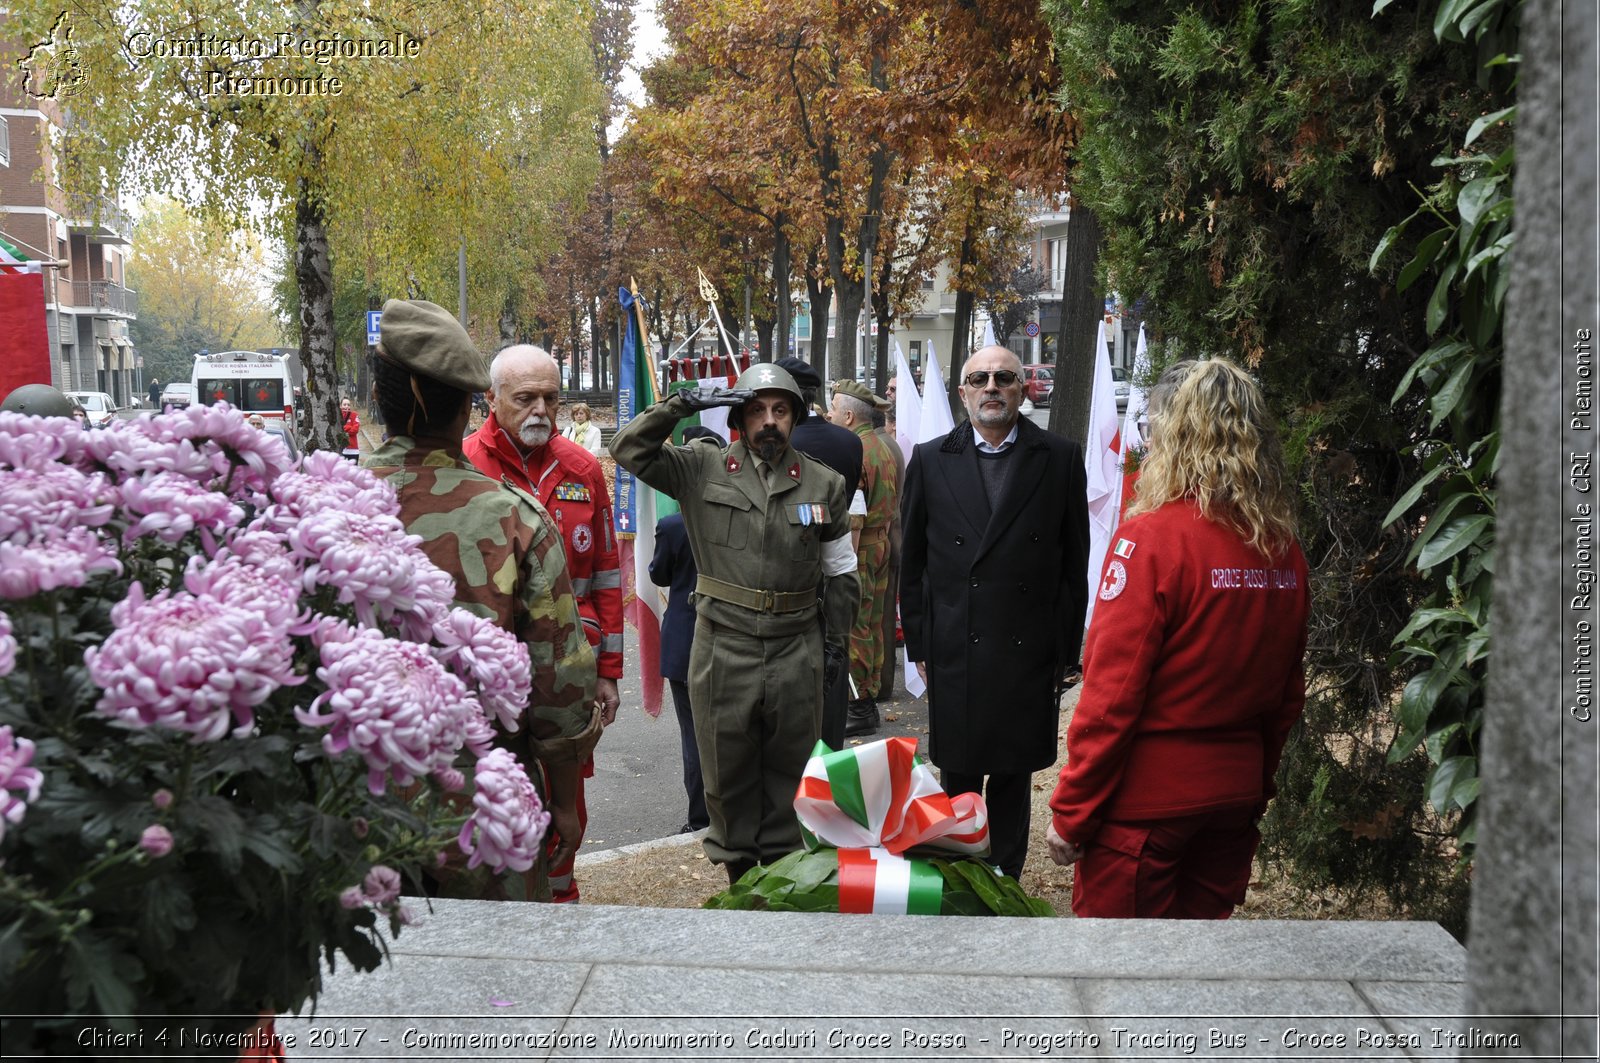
point(1032, 329)
point(373, 317)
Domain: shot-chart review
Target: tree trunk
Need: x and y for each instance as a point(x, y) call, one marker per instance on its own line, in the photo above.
point(318, 409)
point(961, 327)
point(880, 308)
point(820, 295)
point(764, 330)
point(1083, 308)
point(780, 279)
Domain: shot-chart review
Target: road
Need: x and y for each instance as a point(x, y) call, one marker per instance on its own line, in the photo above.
point(637, 791)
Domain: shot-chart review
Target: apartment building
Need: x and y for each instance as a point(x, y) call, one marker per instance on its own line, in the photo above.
point(88, 305)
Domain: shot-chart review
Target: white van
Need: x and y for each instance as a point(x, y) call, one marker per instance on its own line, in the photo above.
point(246, 380)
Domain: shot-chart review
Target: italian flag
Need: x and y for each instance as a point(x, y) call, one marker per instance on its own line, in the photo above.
point(12, 260)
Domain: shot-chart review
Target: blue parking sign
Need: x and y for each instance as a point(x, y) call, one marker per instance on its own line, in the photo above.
point(373, 317)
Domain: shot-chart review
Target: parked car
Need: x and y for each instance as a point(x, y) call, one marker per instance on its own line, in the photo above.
point(178, 394)
point(1119, 377)
point(97, 404)
point(281, 430)
point(1038, 382)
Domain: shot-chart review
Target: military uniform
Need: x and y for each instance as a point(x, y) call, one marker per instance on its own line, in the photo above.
point(506, 557)
point(872, 561)
point(762, 539)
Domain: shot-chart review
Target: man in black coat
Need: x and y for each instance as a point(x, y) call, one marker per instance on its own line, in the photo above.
point(672, 566)
point(993, 591)
point(840, 450)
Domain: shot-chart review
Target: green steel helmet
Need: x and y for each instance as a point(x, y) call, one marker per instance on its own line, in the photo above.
point(764, 376)
point(38, 400)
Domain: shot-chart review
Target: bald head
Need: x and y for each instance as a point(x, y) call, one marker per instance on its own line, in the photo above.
point(993, 407)
point(525, 393)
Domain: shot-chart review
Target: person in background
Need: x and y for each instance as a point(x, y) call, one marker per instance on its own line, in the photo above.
point(883, 423)
point(519, 443)
point(673, 567)
point(993, 591)
point(840, 450)
point(351, 426)
point(583, 431)
point(155, 393)
point(258, 422)
point(852, 408)
point(504, 552)
point(1194, 670)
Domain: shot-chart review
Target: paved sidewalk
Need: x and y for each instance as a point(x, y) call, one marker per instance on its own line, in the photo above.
point(481, 980)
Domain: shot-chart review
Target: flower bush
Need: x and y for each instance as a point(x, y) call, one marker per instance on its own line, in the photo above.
point(238, 714)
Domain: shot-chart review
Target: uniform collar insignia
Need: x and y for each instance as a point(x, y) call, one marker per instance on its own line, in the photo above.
point(794, 471)
point(733, 464)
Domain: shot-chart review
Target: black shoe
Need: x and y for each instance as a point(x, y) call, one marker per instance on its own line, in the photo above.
point(686, 829)
point(861, 718)
point(736, 869)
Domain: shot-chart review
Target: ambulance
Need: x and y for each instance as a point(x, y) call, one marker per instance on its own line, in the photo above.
point(249, 381)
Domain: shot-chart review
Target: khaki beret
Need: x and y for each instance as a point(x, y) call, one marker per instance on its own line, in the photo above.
point(426, 339)
point(857, 390)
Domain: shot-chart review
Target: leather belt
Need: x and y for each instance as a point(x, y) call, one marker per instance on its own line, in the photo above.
point(749, 598)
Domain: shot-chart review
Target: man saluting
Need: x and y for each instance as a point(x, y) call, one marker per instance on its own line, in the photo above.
point(766, 524)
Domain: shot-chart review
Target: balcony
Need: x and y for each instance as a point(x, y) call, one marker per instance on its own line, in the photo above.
point(100, 220)
point(106, 296)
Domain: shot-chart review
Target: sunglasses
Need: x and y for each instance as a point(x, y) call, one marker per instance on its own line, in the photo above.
point(1003, 378)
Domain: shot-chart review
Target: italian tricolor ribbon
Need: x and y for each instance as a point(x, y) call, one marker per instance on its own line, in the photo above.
point(873, 803)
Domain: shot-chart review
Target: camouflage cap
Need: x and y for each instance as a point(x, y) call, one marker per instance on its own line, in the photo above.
point(424, 338)
point(857, 390)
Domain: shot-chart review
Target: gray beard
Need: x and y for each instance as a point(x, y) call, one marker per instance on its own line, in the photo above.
point(534, 435)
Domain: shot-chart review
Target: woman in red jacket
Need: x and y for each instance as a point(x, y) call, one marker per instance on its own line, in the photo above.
point(1193, 667)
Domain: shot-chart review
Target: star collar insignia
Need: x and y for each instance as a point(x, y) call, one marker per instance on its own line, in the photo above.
point(794, 471)
point(733, 464)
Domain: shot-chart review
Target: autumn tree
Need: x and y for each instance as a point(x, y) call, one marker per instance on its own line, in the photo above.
point(416, 137)
point(199, 289)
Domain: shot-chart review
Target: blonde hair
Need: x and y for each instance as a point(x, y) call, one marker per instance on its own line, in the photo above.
point(583, 408)
point(1213, 442)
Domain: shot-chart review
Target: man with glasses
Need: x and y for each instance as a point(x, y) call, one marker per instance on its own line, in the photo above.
point(993, 591)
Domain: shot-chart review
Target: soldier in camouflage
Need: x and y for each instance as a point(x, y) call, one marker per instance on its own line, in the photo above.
point(853, 407)
point(504, 552)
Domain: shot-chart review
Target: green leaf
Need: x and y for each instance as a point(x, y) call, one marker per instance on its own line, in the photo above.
point(1459, 534)
point(1476, 197)
point(1425, 617)
point(1438, 352)
point(1427, 251)
point(1414, 492)
point(1444, 779)
point(1437, 521)
point(1380, 5)
point(1450, 14)
point(1384, 244)
point(1447, 397)
point(1493, 251)
point(1439, 301)
point(1437, 739)
point(93, 965)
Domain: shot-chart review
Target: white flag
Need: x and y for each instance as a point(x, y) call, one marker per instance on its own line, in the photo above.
point(907, 404)
point(1103, 465)
point(988, 333)
point(933, 422)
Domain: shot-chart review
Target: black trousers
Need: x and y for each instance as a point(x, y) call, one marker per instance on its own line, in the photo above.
point(835, 702)
point(1009, 799)
point(692, 784)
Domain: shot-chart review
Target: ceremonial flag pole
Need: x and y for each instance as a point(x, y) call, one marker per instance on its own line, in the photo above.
point(638, 505)
point(1133, 440)
point(1102, 456)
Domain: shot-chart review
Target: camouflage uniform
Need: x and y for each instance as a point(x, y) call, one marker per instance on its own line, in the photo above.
point(872, 561)
point(505, 554)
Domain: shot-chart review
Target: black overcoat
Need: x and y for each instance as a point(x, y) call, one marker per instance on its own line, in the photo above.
point(673, 567)
point(994, 602)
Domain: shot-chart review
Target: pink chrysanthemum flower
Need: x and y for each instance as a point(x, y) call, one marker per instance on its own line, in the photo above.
point(433, 596)
point(8, 647)
point(170, 506)
point(39, 502)
point(129, 448)
point(156, 840)
point(17, 776)
point(190, 664)
point(391, 703)
point(381, 886)
point(38, 442)
point(325, 480)
point(491, 659)
point(508, 821)
point(273, 590)
point(369, 561)
point(54, 562)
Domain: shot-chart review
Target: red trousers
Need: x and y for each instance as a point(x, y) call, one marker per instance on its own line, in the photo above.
point(1191, 867)
point(563, 887)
